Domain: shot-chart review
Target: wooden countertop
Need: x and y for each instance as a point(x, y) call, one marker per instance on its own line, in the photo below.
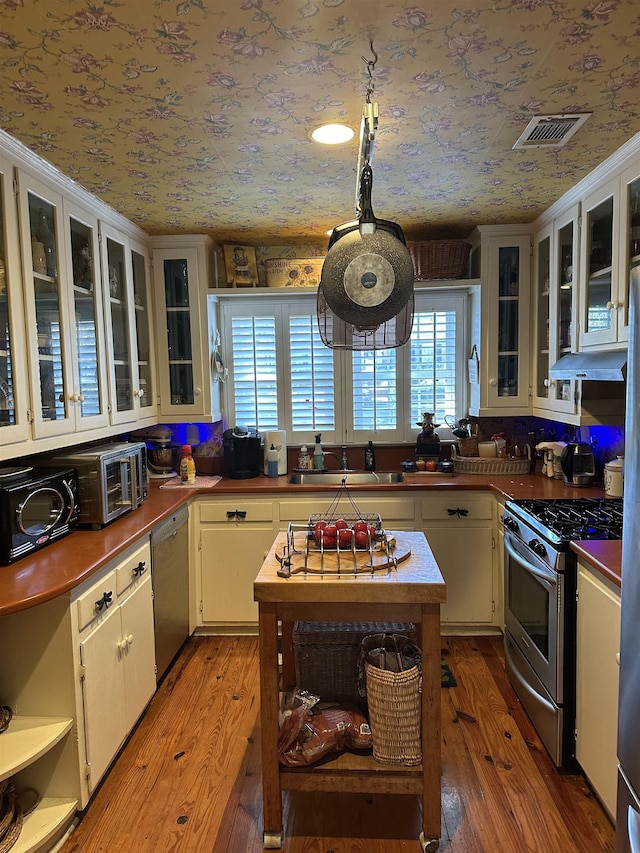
point(605, 556)
point(59, 567)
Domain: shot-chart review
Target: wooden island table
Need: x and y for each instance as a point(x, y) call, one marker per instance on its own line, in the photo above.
point(411, 592)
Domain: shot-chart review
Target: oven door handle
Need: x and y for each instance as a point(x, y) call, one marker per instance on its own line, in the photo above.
point(544, 576)
point(524, 684)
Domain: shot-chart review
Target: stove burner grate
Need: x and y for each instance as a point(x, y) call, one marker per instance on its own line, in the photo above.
point(575, 518)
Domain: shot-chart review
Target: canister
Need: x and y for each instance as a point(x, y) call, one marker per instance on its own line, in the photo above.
point(614, 478)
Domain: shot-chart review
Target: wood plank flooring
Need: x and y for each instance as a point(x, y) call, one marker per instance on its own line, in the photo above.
point(188, 780)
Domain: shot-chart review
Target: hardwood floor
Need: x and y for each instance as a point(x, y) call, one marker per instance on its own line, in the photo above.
point(189, 777)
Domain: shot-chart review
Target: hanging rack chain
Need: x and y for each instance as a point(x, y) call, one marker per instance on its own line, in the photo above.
point(371, 64)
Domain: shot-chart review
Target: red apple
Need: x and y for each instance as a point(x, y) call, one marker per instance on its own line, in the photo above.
point(362, 538)
point(345, 535)
point(360, 526)
point(341, 524)
point(431, 465)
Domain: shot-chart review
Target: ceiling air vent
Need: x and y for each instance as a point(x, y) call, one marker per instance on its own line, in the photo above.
point(551, 131)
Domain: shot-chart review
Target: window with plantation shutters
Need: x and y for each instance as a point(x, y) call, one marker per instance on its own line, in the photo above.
point(433, 363)
point(312, 381)
point(282, 376)
point(255, 374)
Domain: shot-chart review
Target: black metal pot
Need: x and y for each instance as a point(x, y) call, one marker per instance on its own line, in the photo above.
point(367, 276)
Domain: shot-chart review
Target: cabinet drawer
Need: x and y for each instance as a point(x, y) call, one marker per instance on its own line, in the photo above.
point(97, 599)
point(233, 511)
point(458, 506)
point(134, 567)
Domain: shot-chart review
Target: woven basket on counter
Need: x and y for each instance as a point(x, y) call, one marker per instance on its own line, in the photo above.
point(490, 465)
point(440, 259)
point(326, 656)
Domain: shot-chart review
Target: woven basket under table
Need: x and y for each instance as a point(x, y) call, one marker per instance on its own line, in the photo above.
point(394, 714)
point(326, 656)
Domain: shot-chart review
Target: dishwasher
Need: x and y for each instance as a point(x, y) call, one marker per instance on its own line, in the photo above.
point(170, 579)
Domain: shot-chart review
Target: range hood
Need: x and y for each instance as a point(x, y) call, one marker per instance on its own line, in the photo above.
point(607, 366)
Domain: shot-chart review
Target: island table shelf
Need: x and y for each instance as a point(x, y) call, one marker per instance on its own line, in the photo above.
point(413, 592)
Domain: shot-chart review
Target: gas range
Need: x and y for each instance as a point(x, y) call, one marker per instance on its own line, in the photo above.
point(564, 520)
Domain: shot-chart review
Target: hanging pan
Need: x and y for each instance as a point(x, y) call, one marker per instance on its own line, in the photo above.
point(367, 276)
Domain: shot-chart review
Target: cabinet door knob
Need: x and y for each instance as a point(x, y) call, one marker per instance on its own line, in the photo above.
point(122, 645)
point(129, 639)
point(493, 382)
point(197, 391)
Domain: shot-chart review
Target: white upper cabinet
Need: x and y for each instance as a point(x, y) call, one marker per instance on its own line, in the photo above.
point(603, 306)
point(630, 231)
point(183, 271)
point(14, 395)
point(128, 323)
point(504, 272)
point(50, 322)
point(555, 254)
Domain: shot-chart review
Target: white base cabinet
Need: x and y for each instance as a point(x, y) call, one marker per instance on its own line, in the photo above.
point(461, 532)
point(117, 658)
point(598, 646)
point(67, 675)
point(234, 534)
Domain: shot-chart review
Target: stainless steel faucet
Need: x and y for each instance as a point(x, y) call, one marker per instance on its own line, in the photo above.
point(344, 461)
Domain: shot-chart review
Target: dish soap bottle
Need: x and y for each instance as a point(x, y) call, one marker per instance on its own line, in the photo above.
point(272, 462)
point(187, 465)
point(304, 461)
point(318, 455)
point(370, 458)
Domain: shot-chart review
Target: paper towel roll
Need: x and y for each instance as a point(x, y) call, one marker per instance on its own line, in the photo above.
point(277, 437)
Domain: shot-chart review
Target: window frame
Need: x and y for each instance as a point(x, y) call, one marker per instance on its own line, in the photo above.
point(427, 298)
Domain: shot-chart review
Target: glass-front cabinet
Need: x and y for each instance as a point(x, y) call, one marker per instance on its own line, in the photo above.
point(554, 303)
point(49, 330)
point(89, 393)
point(14, 399)
point(503, 265)
point(630, 227)
point(186, 321)
point(128, 323)
point(603, 313)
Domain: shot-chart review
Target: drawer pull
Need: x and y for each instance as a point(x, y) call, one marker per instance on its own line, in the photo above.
point(461, 513)
point(236, 513)
point(140, 569)
point(104, 602)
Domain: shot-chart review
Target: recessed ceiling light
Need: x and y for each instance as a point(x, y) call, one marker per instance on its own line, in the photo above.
point(332, 134)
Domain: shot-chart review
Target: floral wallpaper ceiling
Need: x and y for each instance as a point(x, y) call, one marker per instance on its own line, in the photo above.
point(194, 115)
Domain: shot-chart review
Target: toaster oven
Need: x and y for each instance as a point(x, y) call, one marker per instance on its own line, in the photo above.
point(112, 480)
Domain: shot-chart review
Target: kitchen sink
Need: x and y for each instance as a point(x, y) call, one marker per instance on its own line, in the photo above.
point(350, 478)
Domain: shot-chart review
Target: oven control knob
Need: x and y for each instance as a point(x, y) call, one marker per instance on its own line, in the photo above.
point(538, 548)
point(510, 523)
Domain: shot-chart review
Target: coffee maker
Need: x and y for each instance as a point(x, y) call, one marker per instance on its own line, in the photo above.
point(242, 452)
point(578, 464)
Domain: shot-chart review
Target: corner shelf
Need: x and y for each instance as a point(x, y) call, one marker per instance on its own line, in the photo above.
point(29, 738)
point(44, 824)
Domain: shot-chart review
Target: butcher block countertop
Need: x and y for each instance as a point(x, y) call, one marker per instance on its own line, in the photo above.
point(63, 565)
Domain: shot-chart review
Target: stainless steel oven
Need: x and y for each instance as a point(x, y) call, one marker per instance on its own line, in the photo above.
point(540, 576)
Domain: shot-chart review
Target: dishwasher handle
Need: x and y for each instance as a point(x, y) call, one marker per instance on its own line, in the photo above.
point(170, 526)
